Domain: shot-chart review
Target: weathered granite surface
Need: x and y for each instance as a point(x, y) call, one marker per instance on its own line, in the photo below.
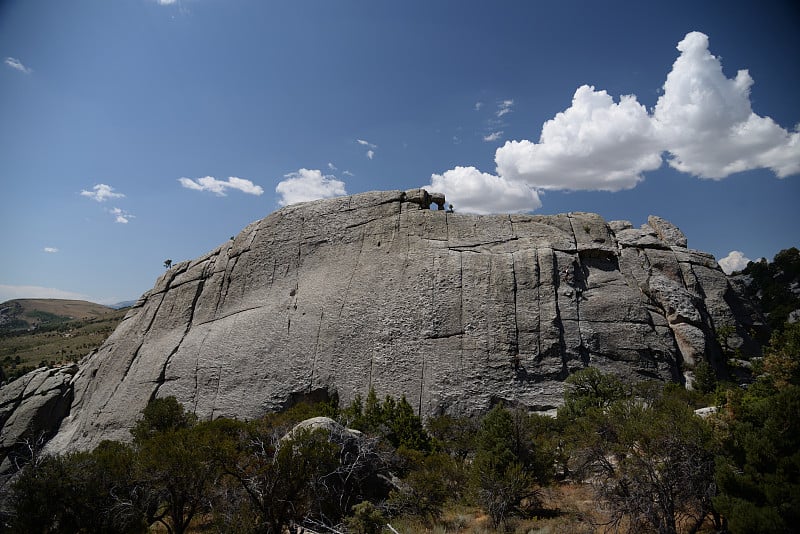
point(31, 410)
point(453, 311)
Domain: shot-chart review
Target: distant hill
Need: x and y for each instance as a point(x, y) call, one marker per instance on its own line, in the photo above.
point(27, 314)
point(123, 304)
point(56, 338)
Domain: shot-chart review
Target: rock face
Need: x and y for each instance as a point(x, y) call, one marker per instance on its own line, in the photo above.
point(31, 409)
point(454, 311)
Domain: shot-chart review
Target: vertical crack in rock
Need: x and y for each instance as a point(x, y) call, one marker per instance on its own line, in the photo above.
point(197, 370)
point(581, 284)
point(354, 271)
point(227, 276)
point(135, 355)
point(316, 352)
point(421, 386)
point(371, 367)
point(515, 351)
point(162, 377)
point(538, 281)
point(558, 323)
point(461, 325)
point(223, 288)
point(271, 280)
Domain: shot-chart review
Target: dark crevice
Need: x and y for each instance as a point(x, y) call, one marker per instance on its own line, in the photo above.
point(516, 321)
point(316, 351)
point(162, 375)
point(135, 355)
point(353, 273)
point(445, 336)
point(469, 248)
point(421, 386)
point(237, 312)
point(538, 274)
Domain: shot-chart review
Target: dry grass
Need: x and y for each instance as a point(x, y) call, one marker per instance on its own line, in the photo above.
point(74, 309)
point(70, 341)
point(566, 509)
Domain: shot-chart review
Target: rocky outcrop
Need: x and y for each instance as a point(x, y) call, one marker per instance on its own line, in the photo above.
point(454, 311)
point(31, 410)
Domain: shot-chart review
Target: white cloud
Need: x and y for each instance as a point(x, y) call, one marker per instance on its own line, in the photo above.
point(166, 2)
point(50, 250)
point(494, 136)
point(734, 261)
point(219, 187)
point(306, 185)
point(504, 108)
point(472, 191)
point(703, 121)
point(101, 193)
point(16, 64)
point(9, 292)
point(478, 106)
point(596, 143)
point(121, 216)
point(331, 167)
point(371, 152)
point(348, 173)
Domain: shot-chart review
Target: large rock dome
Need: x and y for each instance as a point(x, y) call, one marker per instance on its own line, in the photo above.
point(453, 311)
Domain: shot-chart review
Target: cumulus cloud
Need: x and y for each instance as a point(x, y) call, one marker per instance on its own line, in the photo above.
point(478, 106)
point(306, 185)
point(101, 193)
point(220, 187)
point(596, 143)
point(734, 261)
point(703, 122)
point(473, 191)
point(370, 154)
point(16, 64)
point(706, 123)
point(50, 250)
point(494, 136)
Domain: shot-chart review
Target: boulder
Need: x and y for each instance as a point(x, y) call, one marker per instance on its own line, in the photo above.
point(31, 410)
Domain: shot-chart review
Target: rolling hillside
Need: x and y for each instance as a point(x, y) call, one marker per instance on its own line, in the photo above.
point(36, 332)
point(26, 314)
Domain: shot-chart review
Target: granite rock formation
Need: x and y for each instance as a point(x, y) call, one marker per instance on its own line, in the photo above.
point(454, 311)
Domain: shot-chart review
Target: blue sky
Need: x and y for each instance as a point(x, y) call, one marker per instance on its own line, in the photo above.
point(134, 131)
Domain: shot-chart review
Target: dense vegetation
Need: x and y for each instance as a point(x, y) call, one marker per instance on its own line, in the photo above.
point(775, 285)
point(650, 463)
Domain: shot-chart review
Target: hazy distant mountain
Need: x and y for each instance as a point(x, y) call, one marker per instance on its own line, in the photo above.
point(123, 304)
